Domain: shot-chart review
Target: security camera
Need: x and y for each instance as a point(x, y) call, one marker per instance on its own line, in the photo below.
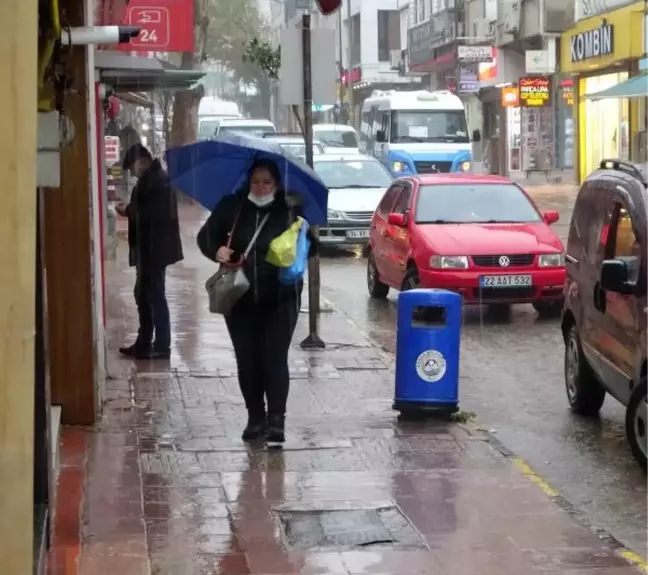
point(85, 35)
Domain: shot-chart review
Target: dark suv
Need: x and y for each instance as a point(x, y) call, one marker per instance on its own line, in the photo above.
point(604, 317)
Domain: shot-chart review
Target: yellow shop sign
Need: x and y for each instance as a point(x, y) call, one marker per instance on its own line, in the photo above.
point(603, 40)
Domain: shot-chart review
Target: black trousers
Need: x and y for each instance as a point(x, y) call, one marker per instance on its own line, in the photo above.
point(152, 308)
point(261, 337)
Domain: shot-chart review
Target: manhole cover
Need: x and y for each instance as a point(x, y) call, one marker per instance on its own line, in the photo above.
point(306, 530)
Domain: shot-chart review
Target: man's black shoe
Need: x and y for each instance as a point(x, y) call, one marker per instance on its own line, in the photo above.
point(157, 353)
point(276, 429)
point(135, 350)
point(255, 428)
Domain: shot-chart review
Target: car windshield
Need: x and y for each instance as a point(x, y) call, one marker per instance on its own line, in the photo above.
point(337, 138)
point(207, 128)
point(353, 174)
point(474, 204)
point(249, 130)
point(429, 126)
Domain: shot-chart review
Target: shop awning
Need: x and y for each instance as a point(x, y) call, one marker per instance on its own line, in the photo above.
point(636, 87)
point(130, 74)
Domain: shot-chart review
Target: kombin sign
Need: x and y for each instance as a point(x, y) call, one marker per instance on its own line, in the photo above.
point(535, 91)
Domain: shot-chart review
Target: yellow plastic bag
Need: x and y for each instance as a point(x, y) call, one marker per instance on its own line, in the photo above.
point(283, 249)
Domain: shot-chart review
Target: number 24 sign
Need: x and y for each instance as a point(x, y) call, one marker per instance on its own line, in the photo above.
point(166, 25)
point(154, 22)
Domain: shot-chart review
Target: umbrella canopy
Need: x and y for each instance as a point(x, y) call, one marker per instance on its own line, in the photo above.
point(636, 87)
point(210, 169)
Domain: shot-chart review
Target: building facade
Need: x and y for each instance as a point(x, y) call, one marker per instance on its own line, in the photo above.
point(492, 53)
point(600, 51)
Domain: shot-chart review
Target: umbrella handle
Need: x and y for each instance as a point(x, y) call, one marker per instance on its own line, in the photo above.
point(234, 265)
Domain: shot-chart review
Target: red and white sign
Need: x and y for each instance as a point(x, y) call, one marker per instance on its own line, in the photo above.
point(167, 25)
point(111, 150)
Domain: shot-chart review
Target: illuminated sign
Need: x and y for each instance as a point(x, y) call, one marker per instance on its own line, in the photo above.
point(535, 91)
point(510, 97)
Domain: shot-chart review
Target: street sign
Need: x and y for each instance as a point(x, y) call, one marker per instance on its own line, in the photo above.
point(291, 73)
point(167, 25)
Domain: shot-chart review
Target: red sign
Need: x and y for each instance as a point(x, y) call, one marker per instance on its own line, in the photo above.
point(167, 25)
point(354, 75)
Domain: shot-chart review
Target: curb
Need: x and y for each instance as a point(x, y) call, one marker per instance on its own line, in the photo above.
point(525, 469)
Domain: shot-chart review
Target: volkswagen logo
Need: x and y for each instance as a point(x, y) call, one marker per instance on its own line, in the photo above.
point(504, 261)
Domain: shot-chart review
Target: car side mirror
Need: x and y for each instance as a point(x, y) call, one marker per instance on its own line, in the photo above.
point(614, 277)
point(380, 136)
point(398, 220)
point(476, 136)
point(551, 217)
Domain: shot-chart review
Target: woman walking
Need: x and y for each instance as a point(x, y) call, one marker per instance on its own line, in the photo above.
point(262, 322)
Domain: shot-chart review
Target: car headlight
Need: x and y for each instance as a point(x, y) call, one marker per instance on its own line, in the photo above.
point(464, 166)
point(399, 167)
point(551, 260)
point(449, 262)
point(333, 215)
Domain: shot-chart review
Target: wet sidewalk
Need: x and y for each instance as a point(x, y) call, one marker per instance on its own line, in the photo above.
point(164, 485)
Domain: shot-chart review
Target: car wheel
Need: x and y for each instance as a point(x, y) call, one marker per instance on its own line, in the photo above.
point(411, 280)
point(636, 423)
point(548, 308)
point(376, 288)
point(584, 392)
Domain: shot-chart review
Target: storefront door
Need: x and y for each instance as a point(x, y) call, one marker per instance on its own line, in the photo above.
point(604, 124)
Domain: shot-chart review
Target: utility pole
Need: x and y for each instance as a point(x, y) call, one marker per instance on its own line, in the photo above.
point(349, 52)
point(313, 341)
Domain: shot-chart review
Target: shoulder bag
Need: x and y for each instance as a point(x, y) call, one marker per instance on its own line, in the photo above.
point(229, 284)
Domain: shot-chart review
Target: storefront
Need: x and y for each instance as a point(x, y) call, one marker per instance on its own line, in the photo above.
point(601, 52)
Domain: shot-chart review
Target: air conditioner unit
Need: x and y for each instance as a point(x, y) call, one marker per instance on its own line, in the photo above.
point(511, 17)
point(482, 28)
point(394, 58)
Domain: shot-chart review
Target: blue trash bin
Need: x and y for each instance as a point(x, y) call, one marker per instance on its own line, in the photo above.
point(427, 352)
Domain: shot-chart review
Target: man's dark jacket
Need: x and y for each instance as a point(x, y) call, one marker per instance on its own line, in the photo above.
point(153, 227)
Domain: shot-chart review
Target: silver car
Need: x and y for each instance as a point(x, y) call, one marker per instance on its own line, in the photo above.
point(356, 185)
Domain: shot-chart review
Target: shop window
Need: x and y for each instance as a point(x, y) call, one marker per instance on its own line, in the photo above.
point(604, 124)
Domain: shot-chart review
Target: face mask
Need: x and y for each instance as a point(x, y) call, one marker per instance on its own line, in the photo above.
point(261, 201)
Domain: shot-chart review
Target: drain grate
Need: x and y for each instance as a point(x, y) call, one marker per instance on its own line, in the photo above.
point(347, 529)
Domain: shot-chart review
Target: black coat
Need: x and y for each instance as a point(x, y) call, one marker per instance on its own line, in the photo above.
point(263, 277)
point(153, 227)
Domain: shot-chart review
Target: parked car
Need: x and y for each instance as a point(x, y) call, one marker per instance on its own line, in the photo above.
point(356, 184)
point(254, 128)
point(293, 143)
point(480, 236)
point(604, 318)
point(338, 139)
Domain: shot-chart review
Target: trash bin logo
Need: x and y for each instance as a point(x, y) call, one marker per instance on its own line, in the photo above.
point(431, 366)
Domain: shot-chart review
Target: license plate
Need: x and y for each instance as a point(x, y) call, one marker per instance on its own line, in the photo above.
point(505, 281)
point(357, 234)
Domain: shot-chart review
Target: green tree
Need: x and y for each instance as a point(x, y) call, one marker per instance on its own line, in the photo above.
point(222, 27)
point(268, 60)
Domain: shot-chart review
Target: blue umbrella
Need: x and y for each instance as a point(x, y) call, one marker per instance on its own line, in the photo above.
point(210, 169)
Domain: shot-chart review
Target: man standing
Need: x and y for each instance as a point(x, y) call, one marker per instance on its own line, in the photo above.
point(153, 244)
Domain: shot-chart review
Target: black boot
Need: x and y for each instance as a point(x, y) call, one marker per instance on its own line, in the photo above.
point(255, 428)
point(276, 429)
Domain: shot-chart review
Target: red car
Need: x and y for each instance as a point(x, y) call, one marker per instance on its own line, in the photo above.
point(480, 236)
